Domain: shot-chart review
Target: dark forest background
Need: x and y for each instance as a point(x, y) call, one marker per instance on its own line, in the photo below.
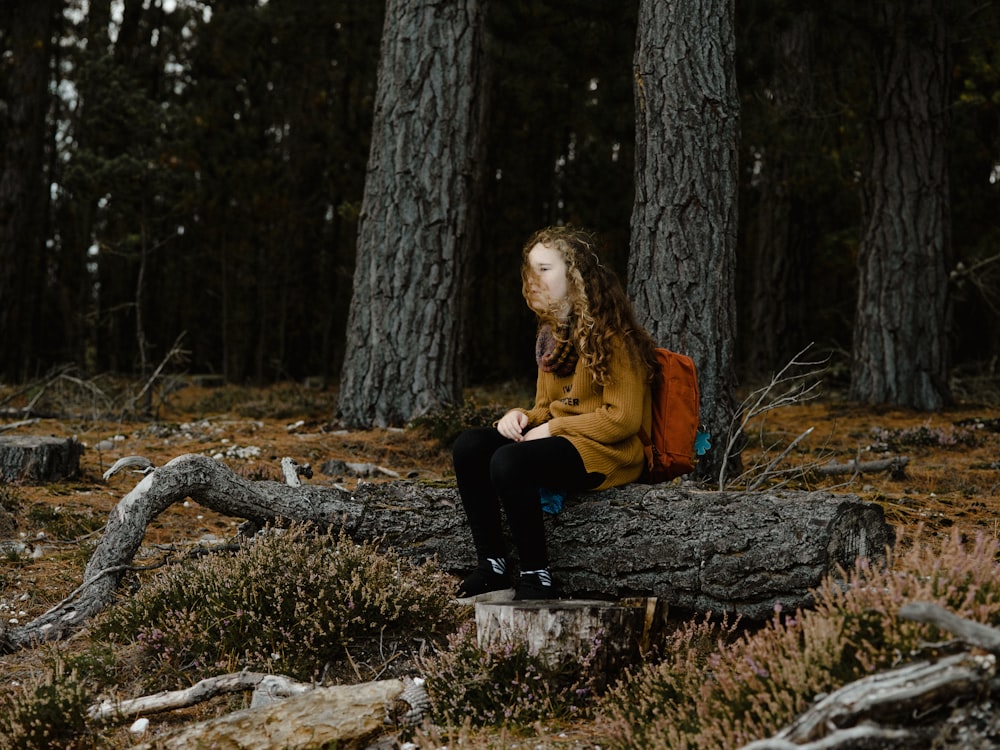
point(191, 174)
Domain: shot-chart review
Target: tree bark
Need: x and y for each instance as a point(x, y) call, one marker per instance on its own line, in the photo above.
point(418, 221)
point(778, 229)
point(901, 335)
point(682, 260)
point(703, 551)
point(38, 459)
point(24, 188)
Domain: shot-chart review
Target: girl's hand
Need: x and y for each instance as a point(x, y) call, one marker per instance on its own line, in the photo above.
point(537, 433)
point(512, 424)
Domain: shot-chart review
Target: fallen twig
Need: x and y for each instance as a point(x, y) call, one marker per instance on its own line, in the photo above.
point(169, 700)
point(22, 423)
point(896, 466)
point(972, 632)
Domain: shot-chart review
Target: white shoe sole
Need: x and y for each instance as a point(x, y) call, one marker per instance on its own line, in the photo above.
point(500, 595)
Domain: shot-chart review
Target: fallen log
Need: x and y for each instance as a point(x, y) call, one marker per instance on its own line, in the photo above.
point(342, 716)
point(697, 550)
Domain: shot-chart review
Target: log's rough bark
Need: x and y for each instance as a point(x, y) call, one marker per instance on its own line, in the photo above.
point(38, 460)
point(272, 687)
point(699, 550)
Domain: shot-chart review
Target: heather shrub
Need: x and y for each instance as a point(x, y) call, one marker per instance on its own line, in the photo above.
point(291, 601)
point(451, 420)
point(749, 687)
point(504, 685)
point(11, 497)
point(47, 716)
point(922, 436)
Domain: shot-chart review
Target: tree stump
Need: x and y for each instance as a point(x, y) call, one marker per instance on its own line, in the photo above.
point(605, 634)
point(38, 460)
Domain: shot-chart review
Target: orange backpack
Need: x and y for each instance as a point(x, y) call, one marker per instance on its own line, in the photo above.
point(671, 447)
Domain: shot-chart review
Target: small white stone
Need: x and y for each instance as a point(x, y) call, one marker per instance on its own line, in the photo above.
point(139, 726)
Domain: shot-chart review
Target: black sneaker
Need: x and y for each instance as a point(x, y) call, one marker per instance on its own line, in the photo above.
point(485, 585)
point(536, 586)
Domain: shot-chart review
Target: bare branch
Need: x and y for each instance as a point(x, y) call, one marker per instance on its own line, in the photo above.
point(972, 632)
point(765, 399)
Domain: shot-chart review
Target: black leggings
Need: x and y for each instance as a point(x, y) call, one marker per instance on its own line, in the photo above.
point(493, 471)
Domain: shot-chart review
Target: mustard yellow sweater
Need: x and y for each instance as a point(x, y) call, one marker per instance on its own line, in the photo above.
point(601, 422)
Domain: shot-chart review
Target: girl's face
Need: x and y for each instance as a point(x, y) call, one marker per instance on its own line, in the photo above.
point(548, 287)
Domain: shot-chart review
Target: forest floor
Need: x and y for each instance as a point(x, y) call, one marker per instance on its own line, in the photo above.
point(952, 479)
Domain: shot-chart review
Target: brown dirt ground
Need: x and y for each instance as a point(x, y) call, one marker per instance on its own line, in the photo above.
point(952, 479)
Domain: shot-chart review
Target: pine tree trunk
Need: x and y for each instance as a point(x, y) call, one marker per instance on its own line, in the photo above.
point(23, 186)
point(901, 352)
point(778, 229)
point(682, 260)
point(418, 219)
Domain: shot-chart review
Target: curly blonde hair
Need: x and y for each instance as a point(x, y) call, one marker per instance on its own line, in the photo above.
point(602, 313)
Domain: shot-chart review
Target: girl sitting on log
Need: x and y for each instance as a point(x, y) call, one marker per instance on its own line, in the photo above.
point(595, 366)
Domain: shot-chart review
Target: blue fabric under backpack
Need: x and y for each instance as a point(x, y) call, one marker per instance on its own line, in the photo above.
point(552, 500)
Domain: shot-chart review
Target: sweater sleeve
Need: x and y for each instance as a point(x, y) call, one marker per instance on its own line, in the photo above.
point(540, 412)
point(618, 417)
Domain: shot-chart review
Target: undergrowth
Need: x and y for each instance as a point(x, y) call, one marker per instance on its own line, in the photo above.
point(49, 715)
point(293, 602)
point(747, 688)
point(448, 422)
